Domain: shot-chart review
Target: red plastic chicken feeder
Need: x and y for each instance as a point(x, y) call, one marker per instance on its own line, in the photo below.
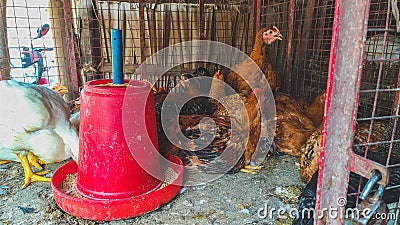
point(117, 129)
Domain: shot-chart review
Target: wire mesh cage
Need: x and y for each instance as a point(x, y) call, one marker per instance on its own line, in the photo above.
point(150, 27)
point(376, 137)
point(302, 61)
point(302, 58)
point(80, 34)
point(36, 46)
point(77, 48)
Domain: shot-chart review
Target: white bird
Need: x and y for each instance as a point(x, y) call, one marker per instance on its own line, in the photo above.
point(374, 48)
point(35, 127)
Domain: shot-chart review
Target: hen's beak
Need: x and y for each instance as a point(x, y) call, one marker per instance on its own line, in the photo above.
point(279, 36)
point(62, 89)
point(183, 81)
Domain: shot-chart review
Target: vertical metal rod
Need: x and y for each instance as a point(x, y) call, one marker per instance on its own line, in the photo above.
point(201, 28)
point(142, 37)
point(71, 49)
point(116, 52)
point(201, 19)
point(343, 83)
point(397, 94)
point(289, 59)
point(378, 82)
point(257, 15)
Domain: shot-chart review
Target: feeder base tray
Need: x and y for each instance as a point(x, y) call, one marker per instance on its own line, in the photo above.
point(115, 209)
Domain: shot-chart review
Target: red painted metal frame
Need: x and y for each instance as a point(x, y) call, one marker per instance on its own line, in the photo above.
point(338, 125)
point(337, 158)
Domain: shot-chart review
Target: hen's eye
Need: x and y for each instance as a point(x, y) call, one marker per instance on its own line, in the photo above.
point(270, 32)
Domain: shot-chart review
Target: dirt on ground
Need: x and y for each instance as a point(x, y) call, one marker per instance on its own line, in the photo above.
point(232, 199)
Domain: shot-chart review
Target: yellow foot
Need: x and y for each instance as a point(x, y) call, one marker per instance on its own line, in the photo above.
point(30, 176)
point(35, 161)
point(4, 161)
point(250, 169)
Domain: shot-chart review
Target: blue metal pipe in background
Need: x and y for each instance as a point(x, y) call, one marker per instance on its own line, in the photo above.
point(116, 53)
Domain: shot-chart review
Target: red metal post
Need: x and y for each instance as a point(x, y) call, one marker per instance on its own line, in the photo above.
point(343, 83)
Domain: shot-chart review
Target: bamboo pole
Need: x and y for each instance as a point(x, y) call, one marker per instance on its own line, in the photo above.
point(4, 54)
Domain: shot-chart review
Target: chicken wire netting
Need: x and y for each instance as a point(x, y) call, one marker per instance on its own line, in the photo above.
point(35, 45)
point(80, 35)
point(302, 58)
point(22, 43)
point(377, 135)
point(151, 27)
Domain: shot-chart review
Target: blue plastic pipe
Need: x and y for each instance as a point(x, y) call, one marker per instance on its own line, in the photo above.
point(116, 53)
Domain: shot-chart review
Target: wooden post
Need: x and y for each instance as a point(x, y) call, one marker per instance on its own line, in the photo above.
point(4, 54)
point(57, 20)
point(71, 46)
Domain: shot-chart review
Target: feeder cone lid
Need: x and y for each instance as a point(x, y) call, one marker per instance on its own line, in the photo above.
point(68, 200)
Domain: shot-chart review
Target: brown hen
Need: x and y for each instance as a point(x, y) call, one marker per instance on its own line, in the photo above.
point(309, 158)
point(293, 127)
point(309, 155)
point(207, 141)
point(206, 144)
point(259, 55)
point(235, 108)
point(315, 111)
point(185, 103)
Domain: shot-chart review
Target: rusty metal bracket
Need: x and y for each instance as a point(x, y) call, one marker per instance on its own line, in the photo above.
point(364, 167)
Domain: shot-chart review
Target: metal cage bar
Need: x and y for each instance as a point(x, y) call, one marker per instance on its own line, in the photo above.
point(341, 97)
